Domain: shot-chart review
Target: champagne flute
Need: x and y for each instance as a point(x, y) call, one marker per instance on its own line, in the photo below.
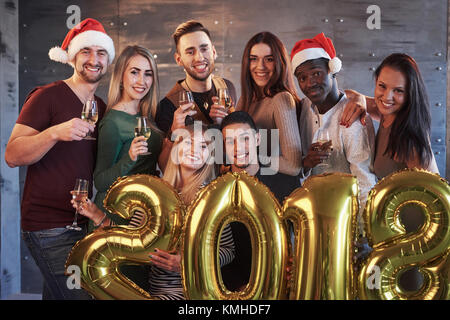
point(323, 138)
point(143, 129)
point(90, 114)
point(186, 97)
point(79, 195)
point(225, 99)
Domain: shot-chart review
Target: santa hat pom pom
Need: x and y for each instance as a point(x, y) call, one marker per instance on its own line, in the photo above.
point(335, 65)
point(58, 54)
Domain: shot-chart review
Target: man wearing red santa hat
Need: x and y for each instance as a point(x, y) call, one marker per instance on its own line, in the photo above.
point(48, 138)
point(348, 149)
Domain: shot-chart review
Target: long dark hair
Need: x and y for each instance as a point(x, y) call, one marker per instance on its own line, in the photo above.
point(282, 78)
point(410, 132)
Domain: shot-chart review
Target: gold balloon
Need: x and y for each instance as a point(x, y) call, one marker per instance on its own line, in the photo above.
point(323, 213)
point(101, 253)
point(395, 250)
point(234, 197)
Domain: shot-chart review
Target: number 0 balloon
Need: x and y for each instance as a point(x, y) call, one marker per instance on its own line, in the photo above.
point(234, 197)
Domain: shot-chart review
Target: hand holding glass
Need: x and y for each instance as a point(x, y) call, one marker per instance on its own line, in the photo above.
point(90, 114)
point(323, 138)
point(79, 196)
point(143, 129)
point(186, 97)
point(225, 99)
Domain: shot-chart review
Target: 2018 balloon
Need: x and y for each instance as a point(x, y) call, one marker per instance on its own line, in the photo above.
point(323, 213)
point(394, 250)
point(101, 253)
point(242, 198)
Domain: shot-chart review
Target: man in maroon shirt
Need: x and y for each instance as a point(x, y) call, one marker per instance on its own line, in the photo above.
point(48, 138)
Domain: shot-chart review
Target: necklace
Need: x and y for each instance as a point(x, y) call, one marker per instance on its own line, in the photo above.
point(185, 82)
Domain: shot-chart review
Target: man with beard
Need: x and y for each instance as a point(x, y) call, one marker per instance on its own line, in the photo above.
point(348, 150)
point(196, 54)
point(48, 138)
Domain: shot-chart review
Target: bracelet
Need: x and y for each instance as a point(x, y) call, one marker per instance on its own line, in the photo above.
point(101, 222)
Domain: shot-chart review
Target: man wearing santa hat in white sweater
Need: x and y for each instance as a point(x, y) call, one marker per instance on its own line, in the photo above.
point(48, 137)
point(349, 148)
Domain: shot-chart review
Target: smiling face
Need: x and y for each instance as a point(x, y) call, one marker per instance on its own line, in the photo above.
point(314, 80)
point(196, 54)
point(193, 151)
point(262, 64)
point(137, 78)
point(241, 143)
point(91, 63)
point(390, 92)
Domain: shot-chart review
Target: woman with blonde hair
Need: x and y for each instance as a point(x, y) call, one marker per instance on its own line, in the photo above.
point(133, 92)
point(188, 179)
point(190, 167)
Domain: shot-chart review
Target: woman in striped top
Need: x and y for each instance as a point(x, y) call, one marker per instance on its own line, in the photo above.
point(189, 169)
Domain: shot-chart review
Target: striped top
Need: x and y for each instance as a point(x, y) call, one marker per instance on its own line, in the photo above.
point(167, 285)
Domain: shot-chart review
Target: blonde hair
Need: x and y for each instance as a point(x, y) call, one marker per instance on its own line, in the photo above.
point(204, 175)
point(149, 103)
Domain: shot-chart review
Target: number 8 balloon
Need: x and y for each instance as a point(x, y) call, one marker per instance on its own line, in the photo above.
point(394, 251)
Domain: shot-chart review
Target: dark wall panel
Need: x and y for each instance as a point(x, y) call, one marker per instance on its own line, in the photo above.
point(416, 27)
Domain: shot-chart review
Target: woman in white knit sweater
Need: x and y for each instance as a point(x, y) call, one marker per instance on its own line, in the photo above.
point(268, 94)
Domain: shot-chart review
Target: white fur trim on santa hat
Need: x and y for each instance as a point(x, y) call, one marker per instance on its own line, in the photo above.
point(308, 54)
point(335, 65)
point(91, 38)
point(300, 57)
point(58, 54)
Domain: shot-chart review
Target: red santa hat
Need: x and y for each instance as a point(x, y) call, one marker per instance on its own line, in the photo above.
point(317, 47)
point(88, 32)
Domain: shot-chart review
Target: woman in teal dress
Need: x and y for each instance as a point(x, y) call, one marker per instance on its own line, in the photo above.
point(133, 92)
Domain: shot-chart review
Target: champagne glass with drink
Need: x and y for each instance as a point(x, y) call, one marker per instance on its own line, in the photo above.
point(186, 97)
point(225, 99)
point(323, 138)
point(143, 129)
point(79, 196)
point(90, 114)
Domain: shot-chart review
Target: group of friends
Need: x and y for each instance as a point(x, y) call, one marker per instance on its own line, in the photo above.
point(48, 137)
